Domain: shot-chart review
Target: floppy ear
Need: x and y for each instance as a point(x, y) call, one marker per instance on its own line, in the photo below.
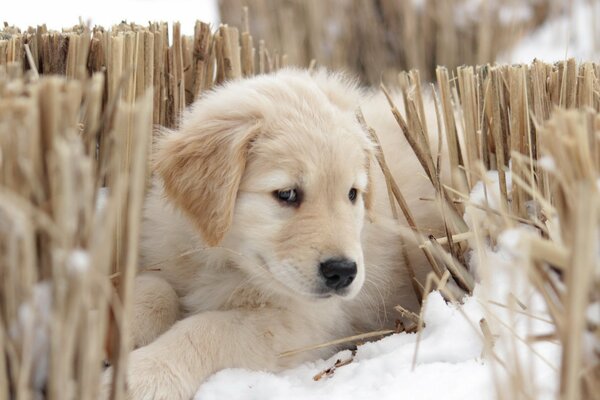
point(201, 167)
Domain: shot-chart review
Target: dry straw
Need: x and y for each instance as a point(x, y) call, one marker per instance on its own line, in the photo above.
point(378, 38)
point(67, 144)
point(57, 247)
point(540, 124)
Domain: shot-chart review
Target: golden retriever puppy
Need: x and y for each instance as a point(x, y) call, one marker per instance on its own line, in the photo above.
point(269, 229)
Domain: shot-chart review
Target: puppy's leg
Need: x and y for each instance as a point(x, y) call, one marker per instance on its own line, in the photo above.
point(155, 308)
point(174, 365)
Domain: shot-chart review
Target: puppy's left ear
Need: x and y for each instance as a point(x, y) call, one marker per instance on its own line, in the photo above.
point(201, 167)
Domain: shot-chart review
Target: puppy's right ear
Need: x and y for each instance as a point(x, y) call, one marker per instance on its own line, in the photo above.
point(201, 167)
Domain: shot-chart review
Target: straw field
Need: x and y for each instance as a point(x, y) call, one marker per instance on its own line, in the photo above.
point(538, 126)
point(377, 39)
point(77, 110)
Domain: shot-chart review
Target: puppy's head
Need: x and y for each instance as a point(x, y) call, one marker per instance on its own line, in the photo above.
point(276, 169)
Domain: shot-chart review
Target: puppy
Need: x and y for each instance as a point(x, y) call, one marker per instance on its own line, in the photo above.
point(269, 229)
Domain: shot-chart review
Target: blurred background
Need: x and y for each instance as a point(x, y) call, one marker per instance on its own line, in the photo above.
point(374, 39)
point(380, 36)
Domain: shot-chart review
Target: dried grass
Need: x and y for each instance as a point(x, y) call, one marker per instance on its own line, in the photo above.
point(57, 248)
point(508, 118)
point(376, 39)
point(66, 264)
point(134, 58)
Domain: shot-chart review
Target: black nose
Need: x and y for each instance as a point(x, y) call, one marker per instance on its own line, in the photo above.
point(338, 272)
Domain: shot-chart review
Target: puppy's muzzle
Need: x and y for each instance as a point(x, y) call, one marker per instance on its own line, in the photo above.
point(338, 272)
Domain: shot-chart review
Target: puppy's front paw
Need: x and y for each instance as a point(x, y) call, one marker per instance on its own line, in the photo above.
point(150, 379)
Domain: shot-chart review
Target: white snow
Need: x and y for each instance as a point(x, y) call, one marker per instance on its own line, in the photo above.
point(547, 163)
point(593, 313)
point(469, 12)
point(101, 199)
point(575, 33)
point(32, 328)
point(78, 261)
point(419, 4)
point(487, 192)
point(516, 12)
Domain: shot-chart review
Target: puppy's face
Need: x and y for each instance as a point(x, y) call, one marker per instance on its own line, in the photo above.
point(300, 206)
point(285, 184)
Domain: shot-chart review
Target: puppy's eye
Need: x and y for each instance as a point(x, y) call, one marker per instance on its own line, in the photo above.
point(352, 195)
point(288, 196)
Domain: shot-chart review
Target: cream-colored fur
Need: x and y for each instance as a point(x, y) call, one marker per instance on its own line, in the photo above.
point(244, 266)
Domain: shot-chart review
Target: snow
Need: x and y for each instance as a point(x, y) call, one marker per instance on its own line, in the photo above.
point(504, 280)
point(78, 261)
point(101, 199)
point(593, 313)
point(419, 4)
point(469, 12)
point(518, 12)
point(487, 192)
point(547, 163)
point(576, 34)
point(32, 327)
